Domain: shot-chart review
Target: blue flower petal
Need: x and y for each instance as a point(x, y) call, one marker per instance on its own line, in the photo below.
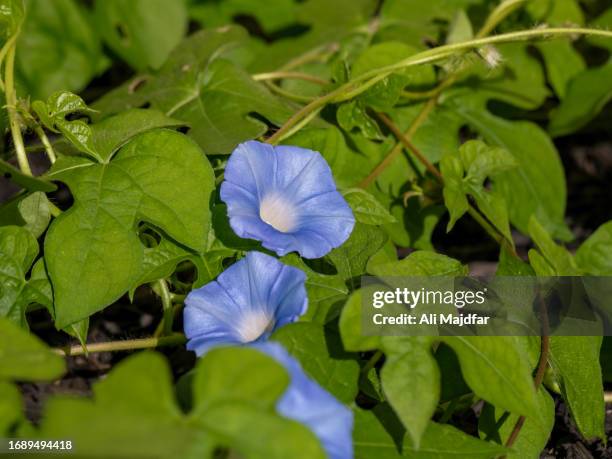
point(286, 198)
point(308, 403)
point(247, 302)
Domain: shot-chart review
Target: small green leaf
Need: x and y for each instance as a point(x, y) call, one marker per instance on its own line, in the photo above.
point(411, 383)
point(18, 249)
point(557, 257)
point(321, 354)
point(575, 364)
point(350, 326)
point(30, 211)
point(594, 256)
point(366, 208)
point(160, 177)
point(24, 357)
point(353, 116)
point(496, 370)
point(477, 161)
point(142, 32)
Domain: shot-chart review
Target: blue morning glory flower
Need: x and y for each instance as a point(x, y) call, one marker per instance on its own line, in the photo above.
point(286, 198)
point(308, 403)
point(247, 302)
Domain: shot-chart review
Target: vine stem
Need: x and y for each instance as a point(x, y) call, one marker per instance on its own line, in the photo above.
point(45, 141)
point(540, 372)
point(168, 317)
point(280, 75)
point(11, 104)
point(363, 82)
point(175, 339)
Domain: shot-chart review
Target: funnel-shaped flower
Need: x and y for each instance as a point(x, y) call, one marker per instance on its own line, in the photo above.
point(308, 403)
point(248, 301)
point(286, 198)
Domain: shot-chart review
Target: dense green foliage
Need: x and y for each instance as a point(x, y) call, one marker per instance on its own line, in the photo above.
point(466, 134)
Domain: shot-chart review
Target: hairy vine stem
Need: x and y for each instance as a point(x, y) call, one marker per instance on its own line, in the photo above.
point(175, 339)
point(361, 83)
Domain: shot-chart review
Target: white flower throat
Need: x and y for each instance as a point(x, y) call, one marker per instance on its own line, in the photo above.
point(253, 325)
point(278, 212)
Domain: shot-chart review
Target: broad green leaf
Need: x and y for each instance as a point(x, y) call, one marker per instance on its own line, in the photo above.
point(561, 261)
point(411, 383)
point(352, 257)
point(326, 292)
point(10, 408)
point(366, 208)
point(534, 434)
point(372, 438)
point(350, 326)
point(320, 352)
point(497, 371)
point(30, 211)
point(112, 133)
point(272, 15)
point(413, 20)
point(142, 32)
point(24, 357)
point(223, 376)
point(134, 413)
point(160, 177)
point(575, 364)
point(421, 263)
point(58, 48)
point(199, 84)
point(587, 94)
point(594, 256)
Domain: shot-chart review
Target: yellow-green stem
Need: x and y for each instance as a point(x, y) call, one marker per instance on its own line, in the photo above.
point(175, 339)
point(45, 141)
point(11, 104)
point(362, 82)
